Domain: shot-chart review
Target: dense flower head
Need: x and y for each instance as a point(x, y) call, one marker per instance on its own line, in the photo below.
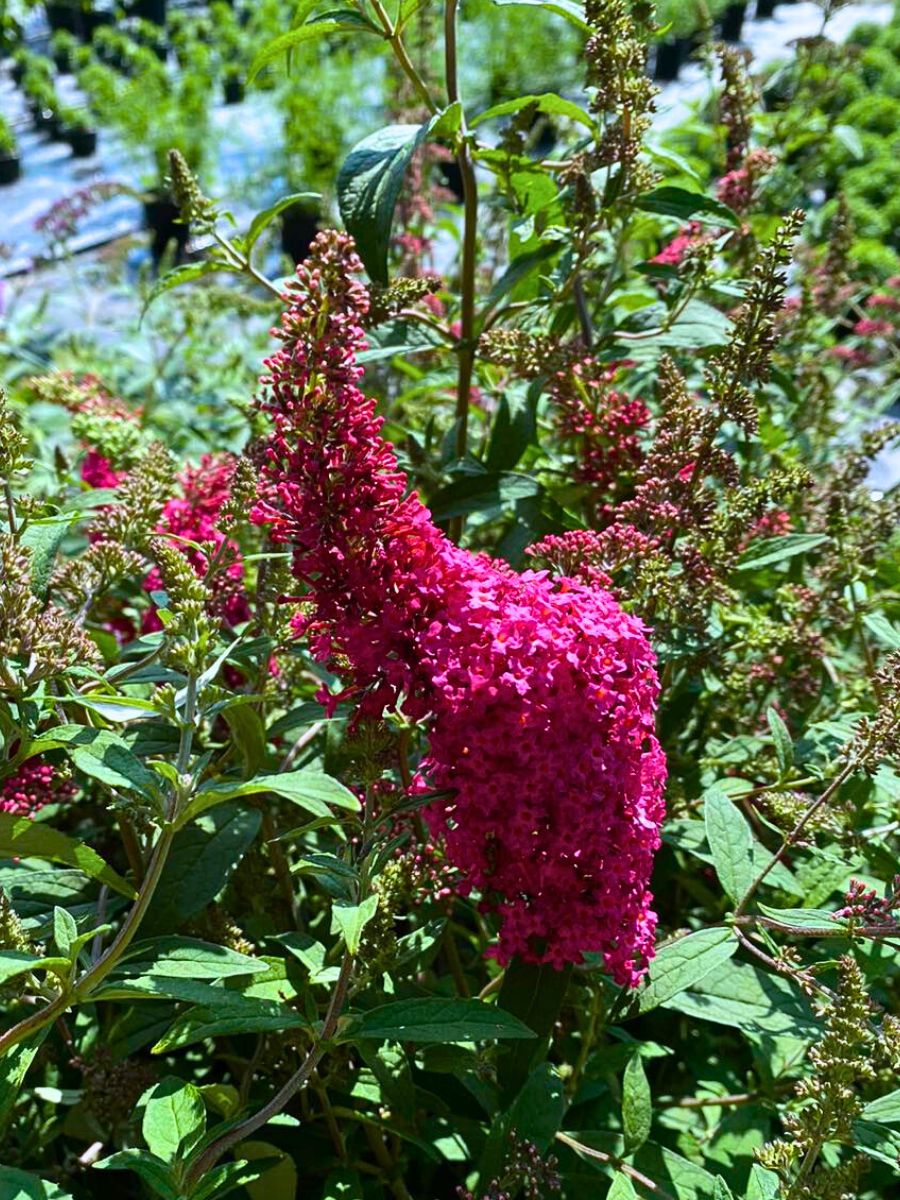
point(539, 692)
point(33, 785)
point(195, 516)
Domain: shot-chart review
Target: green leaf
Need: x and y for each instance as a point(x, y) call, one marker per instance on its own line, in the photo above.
point(571, 10)
point(808, 920)
point(878, 624)
point(223, 1179)
point(230, 1015)
point(43, 540)
point(885, 1110)
point(547, 102)
point(622, 1189)
point(351, 919)
point(538, 1110)
point(683, 963)
point(721, 1190)
point(738, 995)
point(730, 842)
point(19, 1185)
point(533, 994)
point(514, 427)
point(432, 1019)
point(14, 1067)
point(345, 20)
point(186, 958)
point(199, 865)
point(16, 962)
point(155, 1173)
point(308, 789)
point(784, 746)
point(637, 1105)
point(104, 755)
point(766, 552)
point(248, 734)
point(186, 273)
point(65, 931)
point(174, 1119)
point(22, 838)
point(679, 202)
point(368, 187)
point(264, 219)
point(849, 137)
point(763, 1184)
point(118, 708)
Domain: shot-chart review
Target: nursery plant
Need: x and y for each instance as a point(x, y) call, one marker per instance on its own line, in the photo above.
point(451, 753)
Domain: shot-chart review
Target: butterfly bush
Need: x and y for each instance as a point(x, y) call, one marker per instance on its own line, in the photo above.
point(538, 692)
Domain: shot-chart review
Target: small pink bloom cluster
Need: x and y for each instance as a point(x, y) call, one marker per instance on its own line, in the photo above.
point(740, 187)
point(60, 221)
point(33, 785)
point(195, 515)
point(539, 693)
point(863, 905)
point(595, 556)
point(675, 252)
point(604, 422)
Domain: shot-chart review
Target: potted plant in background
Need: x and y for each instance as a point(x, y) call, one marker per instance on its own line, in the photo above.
point(319, 116)
point(79, 131)
point(10, 164)
point(229, 41)
point(42, 100)
point(154, 111)
point(63, 48)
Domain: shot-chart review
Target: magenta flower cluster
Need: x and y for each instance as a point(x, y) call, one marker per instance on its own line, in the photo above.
point(33, 785)
point(538, 692)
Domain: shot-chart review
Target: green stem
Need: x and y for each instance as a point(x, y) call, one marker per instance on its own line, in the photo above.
point(406, 64)
point(469, 251)
point(95, 974)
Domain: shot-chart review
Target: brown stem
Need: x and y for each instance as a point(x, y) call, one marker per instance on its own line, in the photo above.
point(467, 345)
point(611, 1160)
point(791, 838)
point(211, 1155)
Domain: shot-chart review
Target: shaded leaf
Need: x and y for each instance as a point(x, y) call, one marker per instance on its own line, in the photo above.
point(432, 1019)
point(21, 837)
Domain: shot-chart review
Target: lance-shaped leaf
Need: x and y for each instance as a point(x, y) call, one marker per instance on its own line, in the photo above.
point(368, 186)
point(21, 837)
point(432, 1019)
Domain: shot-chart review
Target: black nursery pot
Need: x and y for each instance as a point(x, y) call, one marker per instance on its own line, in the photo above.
point(733, 22)
point(62, 61)
point(162, 218)
point(10, 168)
point(669, 57)
point(82, 141)
point(17, 71)
point(299, 226)
point(149, 10)
point(63, 16)
point(765, 8)
point(94, 19)
point(234, 91)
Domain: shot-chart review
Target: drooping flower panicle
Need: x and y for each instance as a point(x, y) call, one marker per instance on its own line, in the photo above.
point(539, 692)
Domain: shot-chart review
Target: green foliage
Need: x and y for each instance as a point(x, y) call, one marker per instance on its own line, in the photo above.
point(234, 960)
